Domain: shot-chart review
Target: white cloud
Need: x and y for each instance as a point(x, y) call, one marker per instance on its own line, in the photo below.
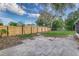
point(33, 15)
point(6, 20)
point(13, 7)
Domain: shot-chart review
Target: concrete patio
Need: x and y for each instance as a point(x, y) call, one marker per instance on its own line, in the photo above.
point(44, 46)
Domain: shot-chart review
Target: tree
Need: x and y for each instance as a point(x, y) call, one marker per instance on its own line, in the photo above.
point(39, 22)
point(44, 19)
point(60, 8)
point(70, 24)
point(74, 15)
point(71, 19)
point(13, 24)
point(57, 24)
point(1, 24)
point(20, 24)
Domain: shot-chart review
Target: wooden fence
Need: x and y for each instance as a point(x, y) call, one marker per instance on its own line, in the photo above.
point(18, 30)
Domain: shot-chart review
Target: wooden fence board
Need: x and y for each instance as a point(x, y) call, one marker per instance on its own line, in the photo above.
point(17, 30)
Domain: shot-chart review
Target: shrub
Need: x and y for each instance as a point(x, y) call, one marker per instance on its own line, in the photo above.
point(57, 25)
point(3, 31)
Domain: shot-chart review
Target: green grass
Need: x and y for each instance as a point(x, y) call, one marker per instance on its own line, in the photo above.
point(59, 33)
point(24, 36)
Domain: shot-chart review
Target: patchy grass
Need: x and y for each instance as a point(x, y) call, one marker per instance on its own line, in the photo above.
point(59, 33)
point(25, 36)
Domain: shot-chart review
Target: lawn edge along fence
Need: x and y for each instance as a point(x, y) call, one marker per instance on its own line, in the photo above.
point(20, 30)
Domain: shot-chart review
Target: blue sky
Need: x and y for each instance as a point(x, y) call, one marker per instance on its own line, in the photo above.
point(26, 13)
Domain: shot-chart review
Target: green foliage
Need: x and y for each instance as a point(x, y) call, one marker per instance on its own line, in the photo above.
point(24, 36)
point(74, 15)
point(71, 19)
point(3, 31)
point(59, 33)
point(13, 24)
point(57, 24)
point(58, 8)
point(44, 19)
point(39, 22)
point(62, 6)
point(1, 24)
point(69, 24)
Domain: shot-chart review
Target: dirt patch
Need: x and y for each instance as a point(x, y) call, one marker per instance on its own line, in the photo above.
point(6, 42)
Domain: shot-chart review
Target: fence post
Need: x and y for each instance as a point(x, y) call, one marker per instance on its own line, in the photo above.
point(22, 29)
point(31, 29)
point(37, 29)
point(7, 31)
point(41, 29)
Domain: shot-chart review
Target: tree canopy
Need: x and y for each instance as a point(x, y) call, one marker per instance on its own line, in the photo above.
point(48, 19)
point(71, 19)
point(13, 24)
point(62, 7)
point(44, 19)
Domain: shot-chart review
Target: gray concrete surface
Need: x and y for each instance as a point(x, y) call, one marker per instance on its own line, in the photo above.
point(44, 46)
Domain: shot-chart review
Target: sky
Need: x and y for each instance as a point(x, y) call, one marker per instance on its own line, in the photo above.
point(27, 13)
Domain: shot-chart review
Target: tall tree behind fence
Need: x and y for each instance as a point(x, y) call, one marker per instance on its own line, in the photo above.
point(19, 30)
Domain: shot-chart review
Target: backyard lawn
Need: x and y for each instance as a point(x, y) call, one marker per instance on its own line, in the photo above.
point(59, 33)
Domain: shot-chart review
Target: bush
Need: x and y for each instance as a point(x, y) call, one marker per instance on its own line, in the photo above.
point(57, 25)
point(3, 31)
point(69, 24)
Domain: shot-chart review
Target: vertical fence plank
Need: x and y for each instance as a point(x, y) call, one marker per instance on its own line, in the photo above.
point(31, 29)
point(7, 31)
point(37, 29)
point(22, 29)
